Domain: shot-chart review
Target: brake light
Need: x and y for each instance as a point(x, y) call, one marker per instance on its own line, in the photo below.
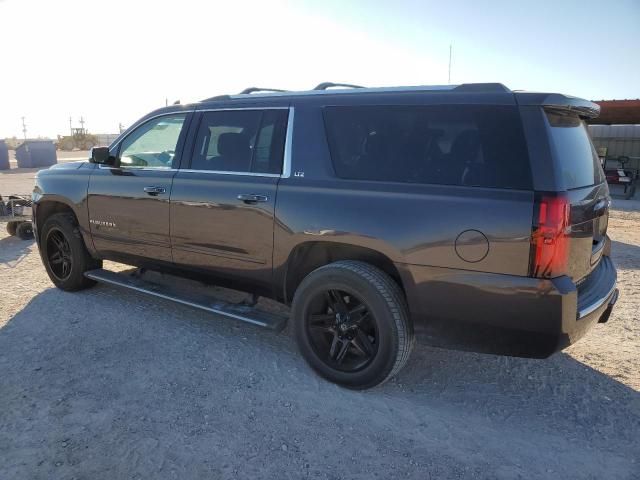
point(549, 239)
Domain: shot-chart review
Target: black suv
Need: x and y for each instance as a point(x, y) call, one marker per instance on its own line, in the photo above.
point(368, 210)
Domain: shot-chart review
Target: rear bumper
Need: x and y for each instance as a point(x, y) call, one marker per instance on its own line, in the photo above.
point(507, 314)
point(598, 290)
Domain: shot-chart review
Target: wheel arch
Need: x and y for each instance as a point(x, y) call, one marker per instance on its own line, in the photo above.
point(51, 205)
point(307, 256)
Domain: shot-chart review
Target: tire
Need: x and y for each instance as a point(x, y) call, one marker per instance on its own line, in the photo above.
point(59, 230)
point(323, 334)
point(12, 226)
point(24, 230)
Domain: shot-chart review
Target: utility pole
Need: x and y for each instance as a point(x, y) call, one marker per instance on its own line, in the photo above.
point(450, 48)
point(82, 124)
point(24, 129)
point(121, 127)
point(70, 126)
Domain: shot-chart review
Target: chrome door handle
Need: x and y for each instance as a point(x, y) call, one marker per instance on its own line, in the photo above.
point(252, 198)
point(155, 190)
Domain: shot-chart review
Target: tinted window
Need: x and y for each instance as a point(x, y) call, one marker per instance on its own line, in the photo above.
point(153, 144)
point(449, 145)
point(574, 151)
point(240, 141)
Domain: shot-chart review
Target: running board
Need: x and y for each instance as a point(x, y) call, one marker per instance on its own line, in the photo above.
point(244, 313)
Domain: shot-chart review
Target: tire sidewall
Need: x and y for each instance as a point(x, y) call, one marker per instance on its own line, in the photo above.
point(352, 283)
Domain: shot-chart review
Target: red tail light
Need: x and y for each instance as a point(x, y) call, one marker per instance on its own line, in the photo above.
point(549, 239)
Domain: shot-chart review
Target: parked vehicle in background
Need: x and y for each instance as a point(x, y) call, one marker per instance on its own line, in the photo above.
point(365, 210)
point(15, 210)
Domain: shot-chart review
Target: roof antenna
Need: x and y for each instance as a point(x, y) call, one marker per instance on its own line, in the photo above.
point(450, 48)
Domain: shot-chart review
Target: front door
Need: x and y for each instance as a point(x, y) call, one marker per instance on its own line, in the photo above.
point(129, 204)
point(222, 204)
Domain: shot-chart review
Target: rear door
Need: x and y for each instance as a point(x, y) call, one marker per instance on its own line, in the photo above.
point(588, 193)
point(222, 203)
point(129, 204)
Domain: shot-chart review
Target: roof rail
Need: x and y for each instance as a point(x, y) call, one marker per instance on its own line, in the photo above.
point(326, 85)
point(481, 88)
point(249, 90)
point(217, 97)
point(323, 89)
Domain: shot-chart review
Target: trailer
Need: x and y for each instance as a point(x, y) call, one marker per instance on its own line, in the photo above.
point(15, 210)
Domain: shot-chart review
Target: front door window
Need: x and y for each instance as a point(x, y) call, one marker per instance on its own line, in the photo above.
point(153, 144)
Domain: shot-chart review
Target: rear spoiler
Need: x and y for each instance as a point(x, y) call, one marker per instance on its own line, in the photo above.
point(556, 101)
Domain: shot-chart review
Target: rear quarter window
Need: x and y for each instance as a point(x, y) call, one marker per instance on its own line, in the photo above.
point(573, 150)
point(467, 145)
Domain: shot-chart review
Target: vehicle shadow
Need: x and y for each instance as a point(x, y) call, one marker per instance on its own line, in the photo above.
point(625, 255)
point(115, 382)
point(13, 250)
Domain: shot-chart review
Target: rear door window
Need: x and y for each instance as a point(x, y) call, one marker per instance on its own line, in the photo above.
point(240, 141)
point(574, 151)
point(466, 145)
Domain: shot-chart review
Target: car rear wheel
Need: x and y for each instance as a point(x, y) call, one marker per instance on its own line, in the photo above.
point(351, 324)
point(64, 253)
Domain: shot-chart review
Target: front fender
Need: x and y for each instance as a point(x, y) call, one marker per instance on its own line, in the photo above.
point(58, 190)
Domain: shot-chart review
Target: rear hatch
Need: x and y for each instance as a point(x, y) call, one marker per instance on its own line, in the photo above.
point(586, 197)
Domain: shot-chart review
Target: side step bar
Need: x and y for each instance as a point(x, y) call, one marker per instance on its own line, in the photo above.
point(240, 312)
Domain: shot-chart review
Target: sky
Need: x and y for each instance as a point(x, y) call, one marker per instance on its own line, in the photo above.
point(112, 61)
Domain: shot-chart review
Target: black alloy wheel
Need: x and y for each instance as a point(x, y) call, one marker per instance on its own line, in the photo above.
point(342, 330)
point(59, 254)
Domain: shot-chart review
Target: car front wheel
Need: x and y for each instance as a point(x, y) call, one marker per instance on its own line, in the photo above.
point(64, 254)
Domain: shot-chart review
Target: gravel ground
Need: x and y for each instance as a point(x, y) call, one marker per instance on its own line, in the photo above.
point(111, 384)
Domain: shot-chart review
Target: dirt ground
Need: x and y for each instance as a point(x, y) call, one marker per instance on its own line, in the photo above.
point(107, 383)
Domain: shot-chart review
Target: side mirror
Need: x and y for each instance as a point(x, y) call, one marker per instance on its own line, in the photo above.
point(101, 156)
